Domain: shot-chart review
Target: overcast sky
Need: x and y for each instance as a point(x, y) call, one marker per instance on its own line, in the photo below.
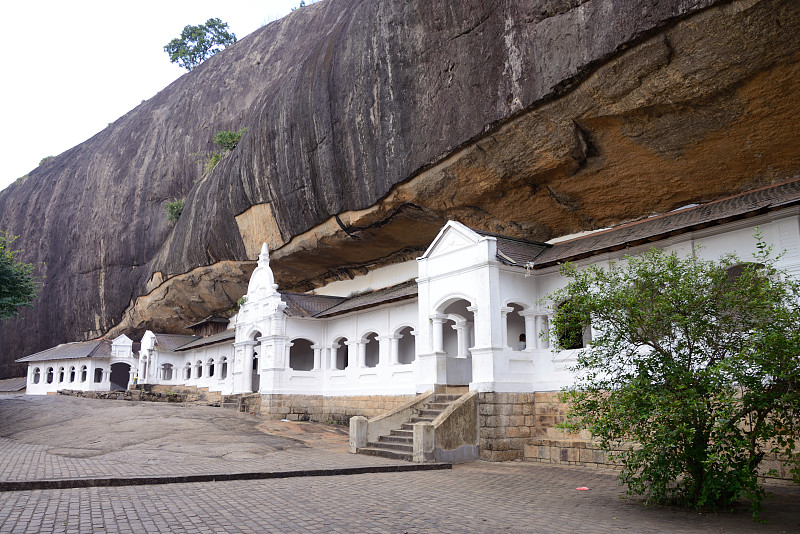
point(72, 67)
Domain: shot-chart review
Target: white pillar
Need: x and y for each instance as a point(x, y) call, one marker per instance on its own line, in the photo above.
point(362, 354)
point(394, 349)
point(461, 335)
point(317, 356)
point(532, 340)
point(334, 354)
point(504, 311)
point(437, 332)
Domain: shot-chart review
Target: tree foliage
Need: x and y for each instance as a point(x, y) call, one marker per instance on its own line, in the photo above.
point(693, 373)
point(18, 283)
point(198, 43)
point(174, 210)
point(228, 140)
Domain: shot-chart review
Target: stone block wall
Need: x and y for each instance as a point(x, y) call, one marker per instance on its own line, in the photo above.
point(508, 422)
point(328, 409)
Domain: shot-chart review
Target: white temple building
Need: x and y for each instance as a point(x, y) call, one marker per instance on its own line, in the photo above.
point(456, 316)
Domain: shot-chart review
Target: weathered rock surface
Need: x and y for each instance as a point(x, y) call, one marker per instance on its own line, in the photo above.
point(371, 123)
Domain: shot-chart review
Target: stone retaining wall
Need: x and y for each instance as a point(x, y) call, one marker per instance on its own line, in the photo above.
point(128, 395)
point(508, 421)
point(327, 409)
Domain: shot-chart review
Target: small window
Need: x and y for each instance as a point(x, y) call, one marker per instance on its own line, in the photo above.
point(61, 375)
point(406, 348)
point(301, 355)
point(224, 368)
point(84, 372)
point(36, 376)
point(199, 369)
point(49, 375)
point(98, 375)
point(371, 350)
point(72, 374)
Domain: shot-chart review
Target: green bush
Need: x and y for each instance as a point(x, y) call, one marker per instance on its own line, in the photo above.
point(693, 372)
point(174, 210)
point(227, 140)
point(45, 159)
point(211, 162)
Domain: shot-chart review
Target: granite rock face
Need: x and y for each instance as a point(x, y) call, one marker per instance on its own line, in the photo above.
point(370, 123)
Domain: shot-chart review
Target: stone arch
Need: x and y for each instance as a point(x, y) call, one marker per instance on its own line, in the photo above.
point(72, 373)
point(223, 368)
point(61, 374)
point(516, 337)
point(121, 375)
point(166, 371)
point(301, 354)
point(84, 373)
point(449, 300)
point(340, 355)
point(372, 350)
point(406, 345)
point(210, 364)
point(187, 371)
point(37, 375)
point(198, 369)
point(50, 375)
point(458, 335)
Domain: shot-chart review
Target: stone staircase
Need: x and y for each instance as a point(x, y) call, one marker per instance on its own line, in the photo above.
point(399, 443)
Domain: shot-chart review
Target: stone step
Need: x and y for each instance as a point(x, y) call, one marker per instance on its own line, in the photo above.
point(422, 419)
point(441, 406)
point(402, 433)
point(230, 405)
point(402, 447)
point(386, 453)
point(446, 397)
point(405, 440)
point(427, 412)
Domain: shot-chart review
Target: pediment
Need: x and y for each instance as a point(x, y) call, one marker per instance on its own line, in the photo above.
point(453, 236)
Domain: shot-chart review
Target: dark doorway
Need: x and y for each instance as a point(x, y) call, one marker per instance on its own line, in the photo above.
point(120, 375)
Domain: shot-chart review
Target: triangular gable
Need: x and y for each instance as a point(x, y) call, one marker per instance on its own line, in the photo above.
point(122, 340)
point(453, 236)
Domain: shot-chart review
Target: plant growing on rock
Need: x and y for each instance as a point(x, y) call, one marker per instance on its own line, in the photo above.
point(174, 210)
point(228, 140)
point(693, 373)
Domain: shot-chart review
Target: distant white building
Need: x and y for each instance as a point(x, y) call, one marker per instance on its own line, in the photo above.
point(470, 311)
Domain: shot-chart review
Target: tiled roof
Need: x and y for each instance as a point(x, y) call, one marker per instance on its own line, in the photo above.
point(662, 226)
point(307, 305)
point(96, 348)
point(227, 335)
point(406, 290)
point(211, 319)
point(170, 342)
point(513, 251)
point(10, 385)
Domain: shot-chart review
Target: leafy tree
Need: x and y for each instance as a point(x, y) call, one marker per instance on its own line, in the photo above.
point(18, 283)
point(198, 43)
point(693, 373)
point(227, 140)
point(174, 210)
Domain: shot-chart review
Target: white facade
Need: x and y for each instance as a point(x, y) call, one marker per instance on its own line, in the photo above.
point(462, 328)
point(90, 370)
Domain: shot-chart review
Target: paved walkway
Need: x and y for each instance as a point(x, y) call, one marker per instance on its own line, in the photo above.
point(67, 435)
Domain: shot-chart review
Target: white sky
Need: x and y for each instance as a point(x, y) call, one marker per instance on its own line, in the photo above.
point(72, 67)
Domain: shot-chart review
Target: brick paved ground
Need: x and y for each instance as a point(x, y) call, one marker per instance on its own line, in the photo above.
point(477, 497)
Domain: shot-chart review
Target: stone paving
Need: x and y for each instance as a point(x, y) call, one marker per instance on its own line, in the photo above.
point(477, 497)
